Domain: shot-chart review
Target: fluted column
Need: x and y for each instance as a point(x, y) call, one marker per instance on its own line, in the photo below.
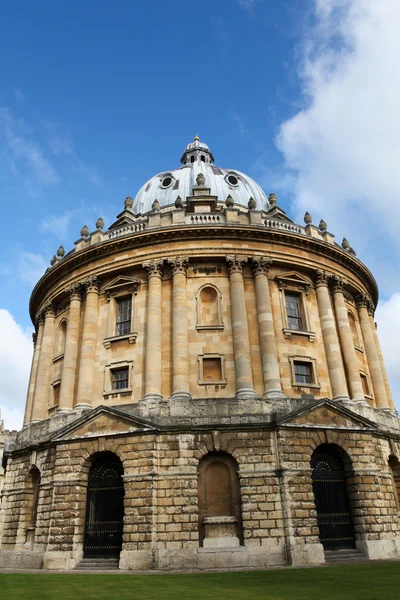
point(42, 391)
point(383, 366)
point(268, 347)
point(180, 339)
point(69, 372)
point(240, 330)
point(153, 369)
point(37, 343)
point(329, 335)
point(346, 340)
point(88, 343)
point(364, 305)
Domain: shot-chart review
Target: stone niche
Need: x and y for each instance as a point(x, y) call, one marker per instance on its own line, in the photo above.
point(220, 532)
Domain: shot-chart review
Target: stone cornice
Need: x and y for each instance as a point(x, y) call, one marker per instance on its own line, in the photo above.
point(183, 233)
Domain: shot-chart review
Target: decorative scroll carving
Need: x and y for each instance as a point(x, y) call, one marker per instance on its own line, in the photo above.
point(154, 268)
point(235, 263)
point(260, 265)
point(74, 291)
point(91, 283)
point(364, 301)
point(321, 278)
point(179, 264)
point(338, 284)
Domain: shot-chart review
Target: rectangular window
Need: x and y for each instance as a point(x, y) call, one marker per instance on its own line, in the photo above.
point(120, 378)
point(365, 385)
point(124, 315)
point(212, 370)
point(293, 311)
point(303, 372)
point(56, 394)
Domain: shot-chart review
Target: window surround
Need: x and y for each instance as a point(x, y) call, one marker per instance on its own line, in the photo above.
point(220, 324)
point(368, 396)
point(201, 380)
point(62, 327)
point(297, 284)
point(108, 380)
point(358, 346)
point(119, 288)
point(304, 359)
point(55, 388)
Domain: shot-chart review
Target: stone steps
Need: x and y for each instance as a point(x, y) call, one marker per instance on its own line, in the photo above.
point(343, 556)
point(98, 564)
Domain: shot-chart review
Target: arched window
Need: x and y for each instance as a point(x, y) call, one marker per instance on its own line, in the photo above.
point(220, 514)
point(328, 472)
point(209, 315)
point(192, 159)
point(203, 158)
point(60, 338)
point(354, 330)
point(394, 465)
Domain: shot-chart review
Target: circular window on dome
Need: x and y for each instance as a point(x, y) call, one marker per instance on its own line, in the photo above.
point(232, 179)
point(166, 181)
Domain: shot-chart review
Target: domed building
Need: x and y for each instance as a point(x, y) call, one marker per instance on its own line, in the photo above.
point(207, 390)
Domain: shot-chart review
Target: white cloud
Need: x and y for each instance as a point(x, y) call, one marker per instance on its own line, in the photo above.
point(341, 150)
point(23, 156)
point(31, 267)
point(388, 319)
point(15, 360)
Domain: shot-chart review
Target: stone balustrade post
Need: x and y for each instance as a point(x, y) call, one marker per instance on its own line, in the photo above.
point(69, 372)
point(42, 391)
point(268, 346)
point(180, 340)
point(153, 367)
point(240, 330)
point(330, 338)
point(37, 343)
point(364, 305)
point(346, 340)
point(88, 343)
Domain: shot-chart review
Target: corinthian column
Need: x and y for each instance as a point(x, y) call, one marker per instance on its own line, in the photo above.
point(180, 341)
point(268, 347)
point(40, 401)
point(364, 305)
point(240, 330)
point(153, 372)
point(37, 343)
point(88, 344)
point(69, 371)
point(329, 335)
point(346, 340)
point(383, 367)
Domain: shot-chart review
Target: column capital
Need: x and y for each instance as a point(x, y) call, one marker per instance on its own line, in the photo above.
point(48, 310)
point(321, 278)
point(39, 318)
point(235, 263)
point(154, 267)
point(34, 338)
point(73, 291)
point(364, 301)
point(179, 264)
point(260, 265)
point(91, 284)
point(337, 284)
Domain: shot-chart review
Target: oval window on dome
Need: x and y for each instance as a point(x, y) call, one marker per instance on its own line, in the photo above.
point(232, 179)
point(166, 182)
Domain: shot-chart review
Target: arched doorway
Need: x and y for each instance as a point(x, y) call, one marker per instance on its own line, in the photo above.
point(330, 490)
point(105, 507)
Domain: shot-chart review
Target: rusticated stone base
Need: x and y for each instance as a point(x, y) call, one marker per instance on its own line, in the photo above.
point(136, 560)
point(307, 554)
point(63, 561)
point(380, 549)
point(21, 559)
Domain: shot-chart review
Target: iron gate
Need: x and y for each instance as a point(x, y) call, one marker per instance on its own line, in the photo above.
point(330, 491)
point(105, 508)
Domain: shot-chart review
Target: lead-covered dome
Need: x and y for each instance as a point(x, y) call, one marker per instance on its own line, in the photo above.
point(198, 158)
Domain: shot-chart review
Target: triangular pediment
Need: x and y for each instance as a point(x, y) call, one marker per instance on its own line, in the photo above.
point(103, 421)
point(277, 213)
point(120, 282)
point(326, 414)
point(294, 279)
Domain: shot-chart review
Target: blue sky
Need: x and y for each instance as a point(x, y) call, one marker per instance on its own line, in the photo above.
point(96, 97)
